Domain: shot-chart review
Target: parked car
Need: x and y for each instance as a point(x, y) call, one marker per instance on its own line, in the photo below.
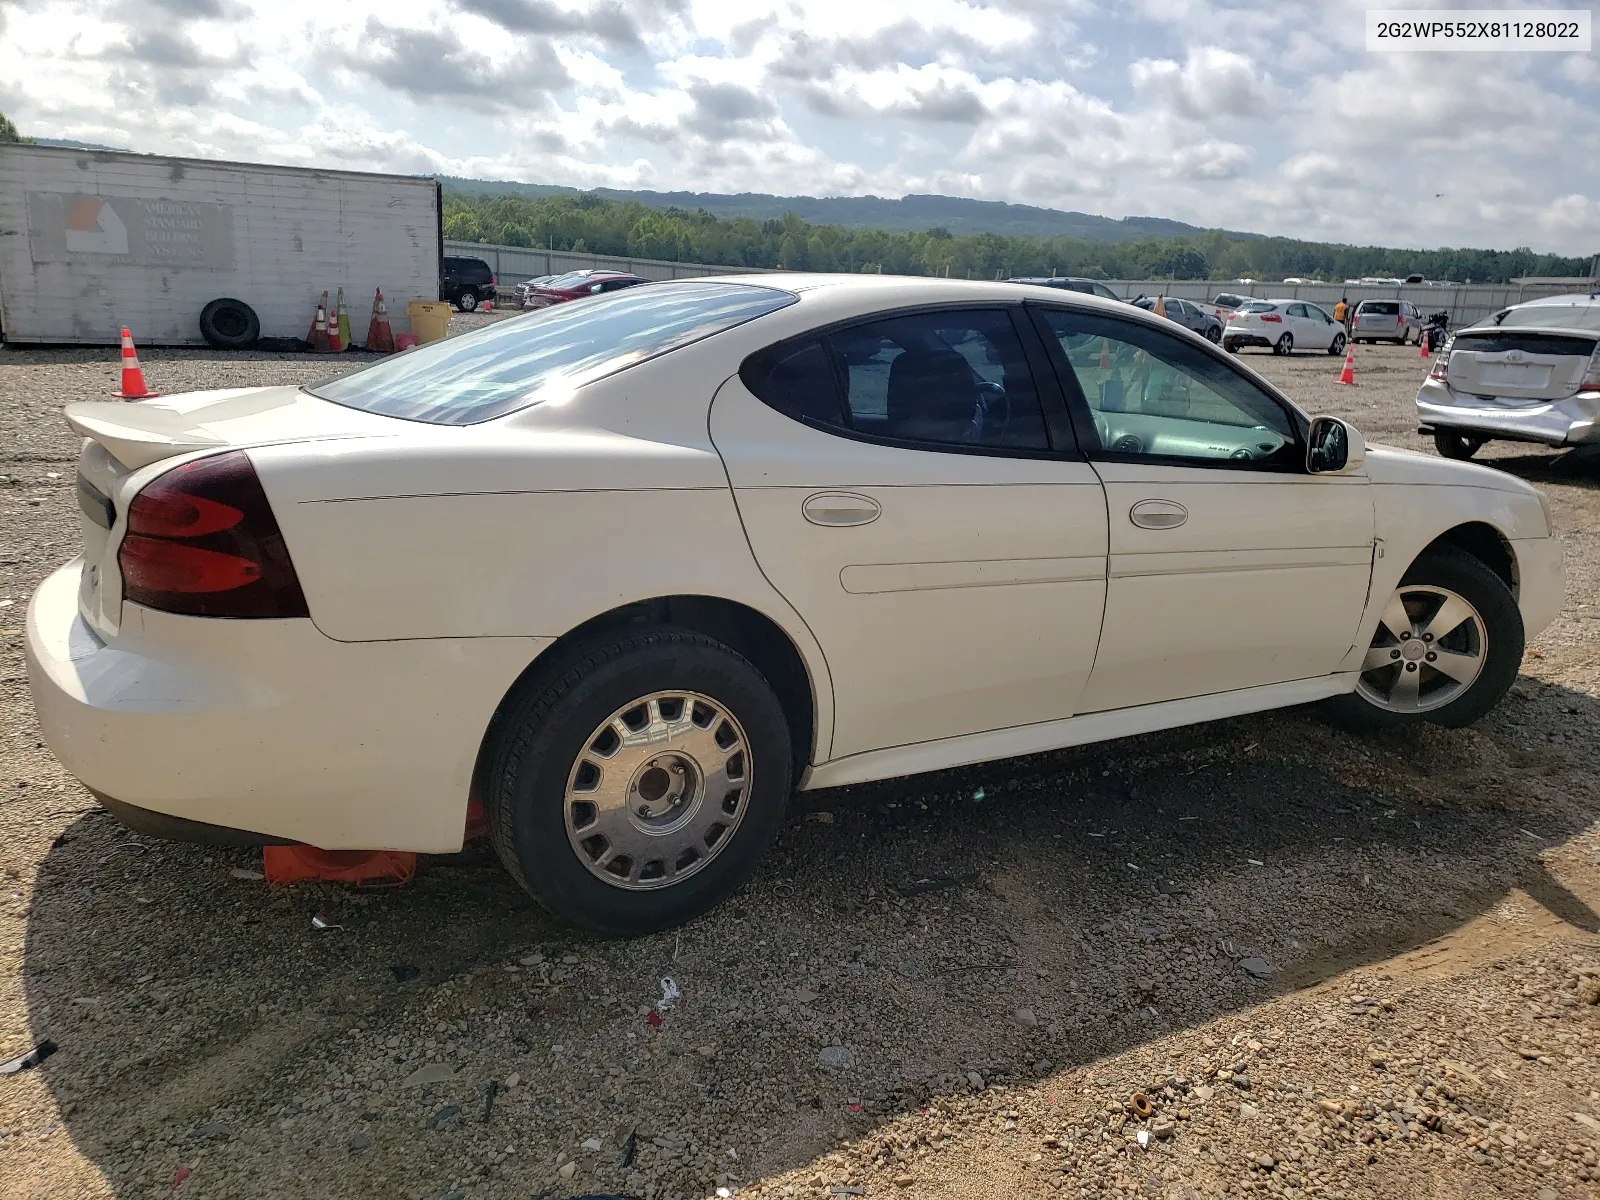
point(1089, 287)
point(1529, 373)
point(576, 284)
point(526, 287)
point(1186, 313)
point(465, 282)
point(1395, 321)
point(629, 572)
point(1283, 325)
point(1228, 301)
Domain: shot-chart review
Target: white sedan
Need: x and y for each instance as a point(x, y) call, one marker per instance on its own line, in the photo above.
point(1283, 326)
point(632, 571)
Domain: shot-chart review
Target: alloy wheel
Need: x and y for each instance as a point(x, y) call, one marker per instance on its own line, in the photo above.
point(1430, 647)
point(657, 790)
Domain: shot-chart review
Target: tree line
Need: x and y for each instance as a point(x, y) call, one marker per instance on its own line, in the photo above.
point(586, 223)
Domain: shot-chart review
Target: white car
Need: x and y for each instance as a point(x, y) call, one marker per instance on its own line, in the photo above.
point(631, 571)
point(1529, 373)
point(1284, 326)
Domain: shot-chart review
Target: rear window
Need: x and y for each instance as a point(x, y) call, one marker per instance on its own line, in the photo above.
point(1229, 300)
point(1257, 306)
point(1498, 341)
point(1383, 308)
point(548, 352)
point(1561, 316)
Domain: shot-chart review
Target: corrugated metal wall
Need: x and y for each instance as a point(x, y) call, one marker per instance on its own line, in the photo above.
point(273, 237)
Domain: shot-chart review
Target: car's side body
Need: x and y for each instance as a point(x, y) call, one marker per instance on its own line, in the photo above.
point(464, 281)
point(440, 563)
point(575, 285)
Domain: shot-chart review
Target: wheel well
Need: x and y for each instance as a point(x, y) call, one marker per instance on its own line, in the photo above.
point(737, 626)
point(1486, 544)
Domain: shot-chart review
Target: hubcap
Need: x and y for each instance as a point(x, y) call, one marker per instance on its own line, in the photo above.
point(657, 790)
point(1430, 646)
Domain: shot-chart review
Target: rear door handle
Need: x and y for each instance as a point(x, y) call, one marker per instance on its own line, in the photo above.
point(1158, 514)
point(840, 509)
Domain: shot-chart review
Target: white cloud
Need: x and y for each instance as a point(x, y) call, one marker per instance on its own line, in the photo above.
point(1269, 118)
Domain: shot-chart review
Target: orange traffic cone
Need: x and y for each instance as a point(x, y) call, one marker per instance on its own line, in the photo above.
point(335, 342)
point(322, 315)
point(319, 332)
point(486, 306)
point(380, 338)
point(1348, 375)
point(133, 387)
point(1105, 355)
point(1422, 345)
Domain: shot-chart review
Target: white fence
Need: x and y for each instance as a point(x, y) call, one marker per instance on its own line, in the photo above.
point(1465, 303)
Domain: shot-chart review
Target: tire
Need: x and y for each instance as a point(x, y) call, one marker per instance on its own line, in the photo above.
point(1457, 444)
point(1336, 347)
point(1213, 334)
point(546, 737)
point(1284, 346)
point(1500, 624)
point(230, 325)
point(468, 300)
point(1231, 346)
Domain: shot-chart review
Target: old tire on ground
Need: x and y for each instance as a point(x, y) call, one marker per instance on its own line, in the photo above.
point(1445, 651)
point(1457, 443)
point(229, 324)
point(637, 781)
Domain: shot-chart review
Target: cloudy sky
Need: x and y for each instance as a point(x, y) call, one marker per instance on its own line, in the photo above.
point(1261, 116)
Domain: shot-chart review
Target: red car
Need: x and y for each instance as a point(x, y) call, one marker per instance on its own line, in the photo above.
point(576, 284)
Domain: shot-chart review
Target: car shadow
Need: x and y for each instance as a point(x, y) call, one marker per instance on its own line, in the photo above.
point(1016, 920)
point(1577, 467)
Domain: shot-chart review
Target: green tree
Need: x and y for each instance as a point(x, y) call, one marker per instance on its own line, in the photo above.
point(463, 226)
point(9, 133)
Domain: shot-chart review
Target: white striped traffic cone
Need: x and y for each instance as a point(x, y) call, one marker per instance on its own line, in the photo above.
point(133, 387)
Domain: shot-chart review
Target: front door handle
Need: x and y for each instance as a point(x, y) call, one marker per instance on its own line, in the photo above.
point(1158, 514)
point(840, 509)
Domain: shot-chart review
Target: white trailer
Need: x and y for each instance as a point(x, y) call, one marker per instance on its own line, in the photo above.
point(92, 240)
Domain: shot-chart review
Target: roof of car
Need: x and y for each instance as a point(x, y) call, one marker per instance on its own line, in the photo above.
point(1566, 298)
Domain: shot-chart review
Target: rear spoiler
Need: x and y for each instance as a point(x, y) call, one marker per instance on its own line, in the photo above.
point(138, 434)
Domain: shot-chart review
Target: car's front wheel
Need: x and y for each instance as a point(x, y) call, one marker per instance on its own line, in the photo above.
point(637, 782)
point(1284, 345)
point(1213, 334)
point(1336, 347)
point(1457, 443)
point(1447, 647)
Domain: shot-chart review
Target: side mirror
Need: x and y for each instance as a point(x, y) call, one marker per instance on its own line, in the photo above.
point(1333, 447)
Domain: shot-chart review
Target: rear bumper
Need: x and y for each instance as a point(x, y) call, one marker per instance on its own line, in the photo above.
point(1237, 337)
point(267, 730)
point(1570, 422)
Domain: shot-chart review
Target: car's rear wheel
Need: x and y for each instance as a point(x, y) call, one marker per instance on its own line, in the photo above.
point(637, 782)
point(1457, 443)
point(1231, 346)
point(468, 301)
point(1405, 336)
point(1284, 345)
point(1446, 649)
point(1336, 347)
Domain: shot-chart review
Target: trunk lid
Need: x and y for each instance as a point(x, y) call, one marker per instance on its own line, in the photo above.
point(1530, 365)
point(122, 439)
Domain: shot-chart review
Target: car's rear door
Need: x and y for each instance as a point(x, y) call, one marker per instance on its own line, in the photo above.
point(903, 488)
point(1230, 567)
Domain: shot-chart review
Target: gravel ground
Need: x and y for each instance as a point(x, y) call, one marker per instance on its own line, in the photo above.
point(1329, 965)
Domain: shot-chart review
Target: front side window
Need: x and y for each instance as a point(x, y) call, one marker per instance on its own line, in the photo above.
point(946, 378)
point(548, 352)
point(1150, 395)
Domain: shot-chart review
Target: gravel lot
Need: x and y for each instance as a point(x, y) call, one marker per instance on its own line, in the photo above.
point(946, 986)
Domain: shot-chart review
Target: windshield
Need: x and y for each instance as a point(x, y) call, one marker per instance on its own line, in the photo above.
point(1558, 316)
point(519, 362)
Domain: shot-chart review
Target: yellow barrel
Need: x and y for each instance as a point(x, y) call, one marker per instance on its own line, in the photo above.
point(430, 319)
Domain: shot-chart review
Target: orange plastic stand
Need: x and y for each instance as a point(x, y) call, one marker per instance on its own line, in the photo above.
point(365, 868)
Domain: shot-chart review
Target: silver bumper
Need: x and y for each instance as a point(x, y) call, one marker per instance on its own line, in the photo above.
point(1568, 422)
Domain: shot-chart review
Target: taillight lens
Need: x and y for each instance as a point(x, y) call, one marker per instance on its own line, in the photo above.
point(1591, 377)
point(202, 541)
point(1441, 363)
point(1273, 317)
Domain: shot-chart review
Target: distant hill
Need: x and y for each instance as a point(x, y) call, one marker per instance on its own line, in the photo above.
point(69, 144)
point(913, 213)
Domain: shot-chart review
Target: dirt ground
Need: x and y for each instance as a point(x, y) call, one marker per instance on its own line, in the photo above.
point(1330, 965)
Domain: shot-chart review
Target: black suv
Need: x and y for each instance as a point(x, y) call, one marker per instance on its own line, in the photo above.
point(465, 281)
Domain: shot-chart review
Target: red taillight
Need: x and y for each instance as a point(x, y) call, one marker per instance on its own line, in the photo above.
point(202, 541)
point(493, 279)
point(1273, 317)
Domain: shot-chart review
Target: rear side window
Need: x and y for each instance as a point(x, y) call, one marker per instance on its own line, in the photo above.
point(948, 378)
point(547, 352)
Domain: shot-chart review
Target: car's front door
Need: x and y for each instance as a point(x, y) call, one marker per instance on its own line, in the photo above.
point(1230, 567)
point(901, 489)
